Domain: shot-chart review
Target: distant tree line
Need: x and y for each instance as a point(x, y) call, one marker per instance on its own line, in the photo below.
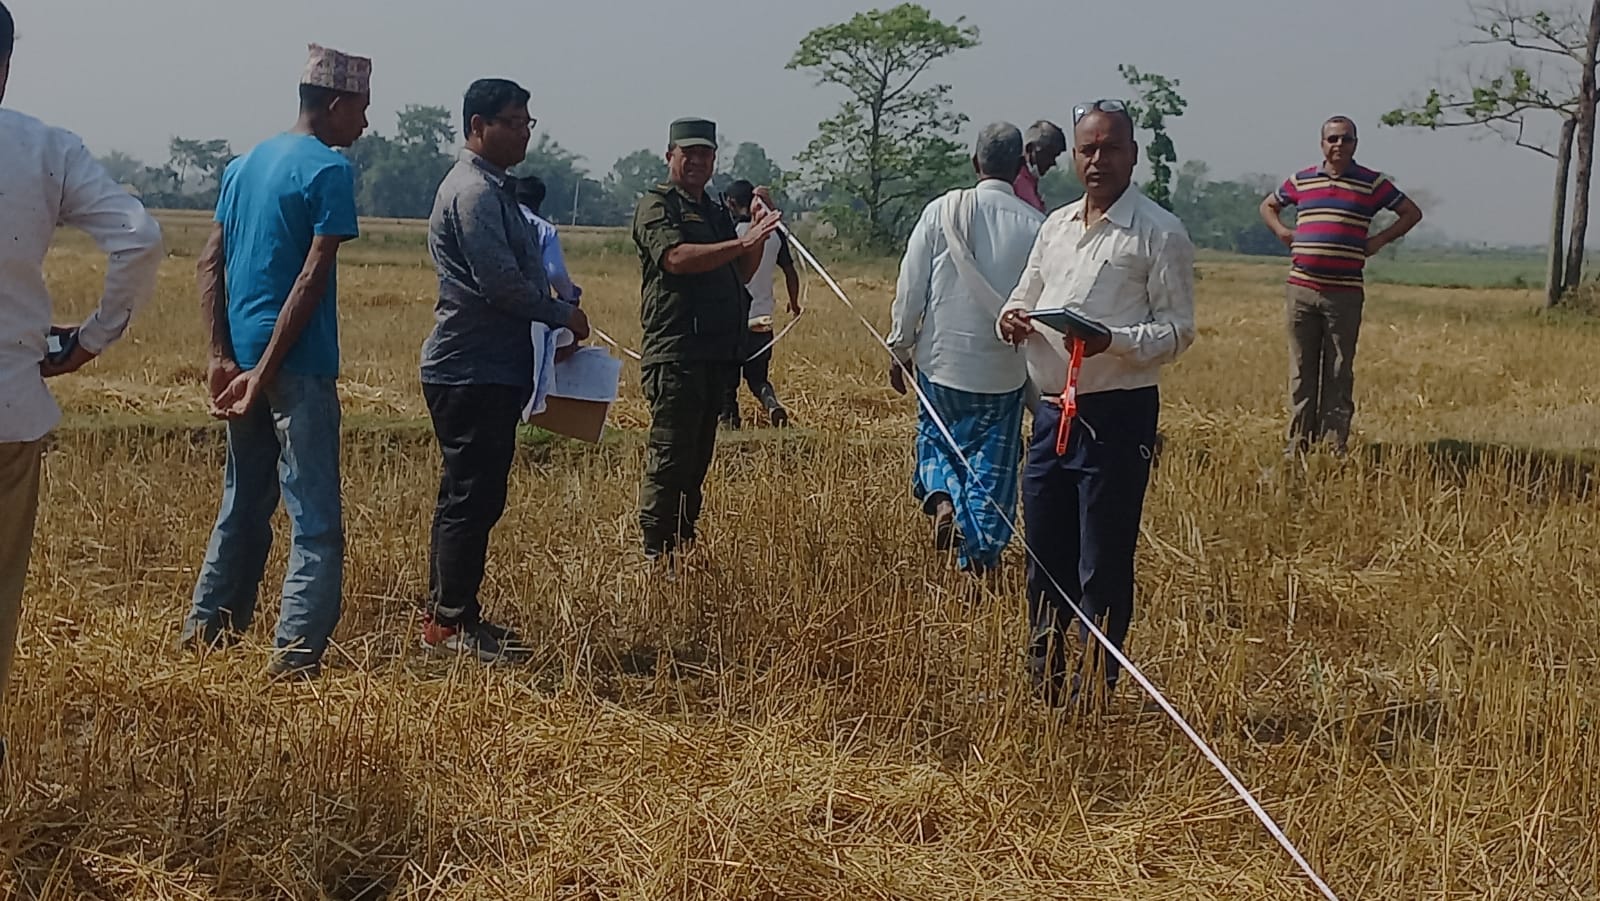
point(895, 144)
point(398, 173)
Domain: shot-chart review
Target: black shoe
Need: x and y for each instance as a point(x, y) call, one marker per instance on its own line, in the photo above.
point(779, 417)
point(731, 423)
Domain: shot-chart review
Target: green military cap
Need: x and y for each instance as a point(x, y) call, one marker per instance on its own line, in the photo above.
point(693, 133)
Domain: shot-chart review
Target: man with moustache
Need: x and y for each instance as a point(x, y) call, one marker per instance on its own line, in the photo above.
point(694, 265)
point(1336, 203)
point(1118, 258)
point(477, 364)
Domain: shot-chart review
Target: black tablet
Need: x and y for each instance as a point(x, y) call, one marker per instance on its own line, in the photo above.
point(1067, 322)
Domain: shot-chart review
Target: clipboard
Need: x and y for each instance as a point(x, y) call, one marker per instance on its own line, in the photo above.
point(1067, 322)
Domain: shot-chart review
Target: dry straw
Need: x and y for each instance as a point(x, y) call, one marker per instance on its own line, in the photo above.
point(1398, 651)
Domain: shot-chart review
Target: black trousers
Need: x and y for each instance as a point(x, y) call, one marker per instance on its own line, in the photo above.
point(477, 430)
point(756, 369)
point(1082, 511)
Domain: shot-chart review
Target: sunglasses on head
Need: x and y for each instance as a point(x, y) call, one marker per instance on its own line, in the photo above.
point(1103, 106)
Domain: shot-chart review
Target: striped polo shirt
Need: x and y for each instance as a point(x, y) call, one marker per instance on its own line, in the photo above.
point(1334, 216)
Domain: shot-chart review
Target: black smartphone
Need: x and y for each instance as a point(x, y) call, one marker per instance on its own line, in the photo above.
point(59, 347)
point(1067, 322)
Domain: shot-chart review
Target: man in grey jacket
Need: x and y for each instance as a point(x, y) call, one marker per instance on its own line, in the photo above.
point(477, 365)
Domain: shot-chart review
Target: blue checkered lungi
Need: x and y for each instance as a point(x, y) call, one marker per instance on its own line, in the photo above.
point(988, 429)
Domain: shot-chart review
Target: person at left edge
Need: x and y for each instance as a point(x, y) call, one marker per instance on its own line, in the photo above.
point(268, 287)
point(477, 364)
point(49, 179)
point(694, 266)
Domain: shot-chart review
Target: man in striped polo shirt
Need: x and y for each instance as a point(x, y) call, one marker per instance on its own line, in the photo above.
point(1335, 204)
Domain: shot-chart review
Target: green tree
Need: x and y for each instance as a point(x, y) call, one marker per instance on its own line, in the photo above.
point(1530, 66)
point(197, 166)
point(1224, 215)
point(425, 126)
point(635, 174)
point(157, 186)
point(1158, 101)
point(571, 196)
point(751, 163)
point(1060, 186)
point(890, 149)
point(397, 178)
point(123, 168)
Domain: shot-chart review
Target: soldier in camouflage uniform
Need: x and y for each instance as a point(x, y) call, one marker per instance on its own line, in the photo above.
point(694, 266)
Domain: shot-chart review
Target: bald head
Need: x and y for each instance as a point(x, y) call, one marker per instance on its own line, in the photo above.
point(1047, 136)
point(998, 153)
point(1120, 120)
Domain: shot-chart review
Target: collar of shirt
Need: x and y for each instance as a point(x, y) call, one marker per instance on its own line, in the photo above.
point(995, 184)
point(1325, 170)
point(1120, 214)
point(705, 196)
point(495, 174)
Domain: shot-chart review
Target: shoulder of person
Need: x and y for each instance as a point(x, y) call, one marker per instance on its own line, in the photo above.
point(1011, 204)
point(478, 193)
point(36, 131)
point(653, 205)
point(1376, 176)
point(54, 140)
point(330, 162)
point(1060, 217)
point(935, 207)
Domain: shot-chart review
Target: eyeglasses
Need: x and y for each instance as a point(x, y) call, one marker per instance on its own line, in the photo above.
point(527, 122)
point(1340, 139)
point(1103, 106)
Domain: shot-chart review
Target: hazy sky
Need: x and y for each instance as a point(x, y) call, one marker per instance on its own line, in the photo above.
point(607, 76)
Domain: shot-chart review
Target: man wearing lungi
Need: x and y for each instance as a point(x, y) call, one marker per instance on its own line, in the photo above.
point(963, 259)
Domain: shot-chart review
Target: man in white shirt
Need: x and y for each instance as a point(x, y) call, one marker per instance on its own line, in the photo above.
point(1118, 258)
point(964, 257)
point(757, 366)
point(530, 191)
point(48, 178)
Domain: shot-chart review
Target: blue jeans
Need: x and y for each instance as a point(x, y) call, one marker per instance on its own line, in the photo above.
point(289, 439)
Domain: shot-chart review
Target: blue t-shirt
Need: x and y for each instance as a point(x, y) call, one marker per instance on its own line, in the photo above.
point(274, 200)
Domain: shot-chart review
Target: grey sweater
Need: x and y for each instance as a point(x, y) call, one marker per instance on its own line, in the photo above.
point(492, 283)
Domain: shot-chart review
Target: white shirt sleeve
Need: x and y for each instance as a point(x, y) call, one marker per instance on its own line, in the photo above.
point(913, 289)
point(125, 231)
point(1031, 286)
point(1170, 285)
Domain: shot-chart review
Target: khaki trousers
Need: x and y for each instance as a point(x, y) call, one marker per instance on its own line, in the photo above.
point(1323, 328)
point(19, 507)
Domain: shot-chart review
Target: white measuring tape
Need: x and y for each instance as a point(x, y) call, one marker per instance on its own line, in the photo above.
point(1138, 675)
